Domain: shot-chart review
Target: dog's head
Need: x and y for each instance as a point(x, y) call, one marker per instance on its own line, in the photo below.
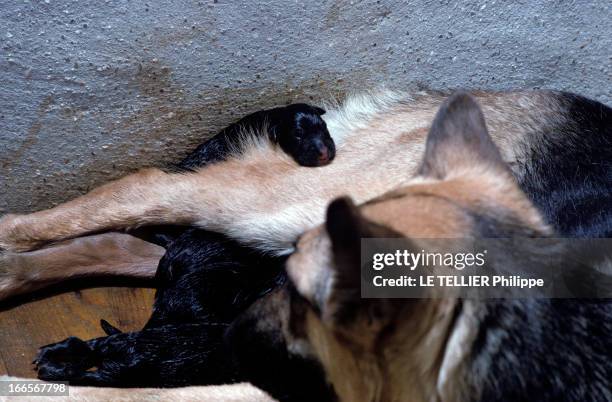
point(379, 349)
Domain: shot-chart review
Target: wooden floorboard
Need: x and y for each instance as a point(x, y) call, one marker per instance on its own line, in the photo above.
point(29, 324)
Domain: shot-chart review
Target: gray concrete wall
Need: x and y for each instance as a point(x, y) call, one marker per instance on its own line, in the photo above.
point(91, 90)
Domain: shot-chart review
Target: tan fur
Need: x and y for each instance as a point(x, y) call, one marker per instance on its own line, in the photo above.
point(403, 370)
point(219, 393)
point(436, 217)
point(104, 254)
point(355, 375)
point(450, 380)
point(516, 120)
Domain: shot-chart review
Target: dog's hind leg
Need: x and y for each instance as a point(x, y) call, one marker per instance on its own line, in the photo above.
point(96, 255)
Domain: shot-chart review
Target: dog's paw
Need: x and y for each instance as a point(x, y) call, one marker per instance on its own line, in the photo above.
point(65, 360)
point(16, 234)
point(8, 225)
point(6, 228)
point(11, 281)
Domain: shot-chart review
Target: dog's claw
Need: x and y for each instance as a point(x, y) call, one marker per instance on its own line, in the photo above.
point(108, 328)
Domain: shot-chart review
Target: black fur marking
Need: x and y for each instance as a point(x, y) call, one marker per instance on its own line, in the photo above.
point(569, 175)
point(549, 350)
point(554, 350)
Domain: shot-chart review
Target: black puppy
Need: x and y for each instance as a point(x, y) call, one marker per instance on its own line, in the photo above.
point(298, 129)
point(204, 281)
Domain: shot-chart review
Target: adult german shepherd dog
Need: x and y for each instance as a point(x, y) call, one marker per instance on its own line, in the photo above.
point(544, 169)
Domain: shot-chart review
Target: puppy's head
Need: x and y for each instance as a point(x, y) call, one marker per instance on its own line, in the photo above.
point(388, 349)
point(305, 137)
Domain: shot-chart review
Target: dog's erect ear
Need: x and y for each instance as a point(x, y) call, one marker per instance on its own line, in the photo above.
point(346, 227)
point(458, 138)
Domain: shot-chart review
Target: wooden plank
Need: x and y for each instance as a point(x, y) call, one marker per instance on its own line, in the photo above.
point(25, 327)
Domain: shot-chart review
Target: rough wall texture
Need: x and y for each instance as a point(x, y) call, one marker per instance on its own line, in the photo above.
point(91, 90)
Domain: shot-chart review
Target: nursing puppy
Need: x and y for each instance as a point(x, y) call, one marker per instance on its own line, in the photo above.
point(297, 129)
point(445, 348)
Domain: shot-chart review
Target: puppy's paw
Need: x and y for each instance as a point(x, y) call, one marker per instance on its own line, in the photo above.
point(65, 360)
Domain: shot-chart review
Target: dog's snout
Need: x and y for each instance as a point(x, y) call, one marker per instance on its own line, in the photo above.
point(323, 150)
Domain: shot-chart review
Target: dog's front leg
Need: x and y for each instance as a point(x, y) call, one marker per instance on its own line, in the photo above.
point(147, 197)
